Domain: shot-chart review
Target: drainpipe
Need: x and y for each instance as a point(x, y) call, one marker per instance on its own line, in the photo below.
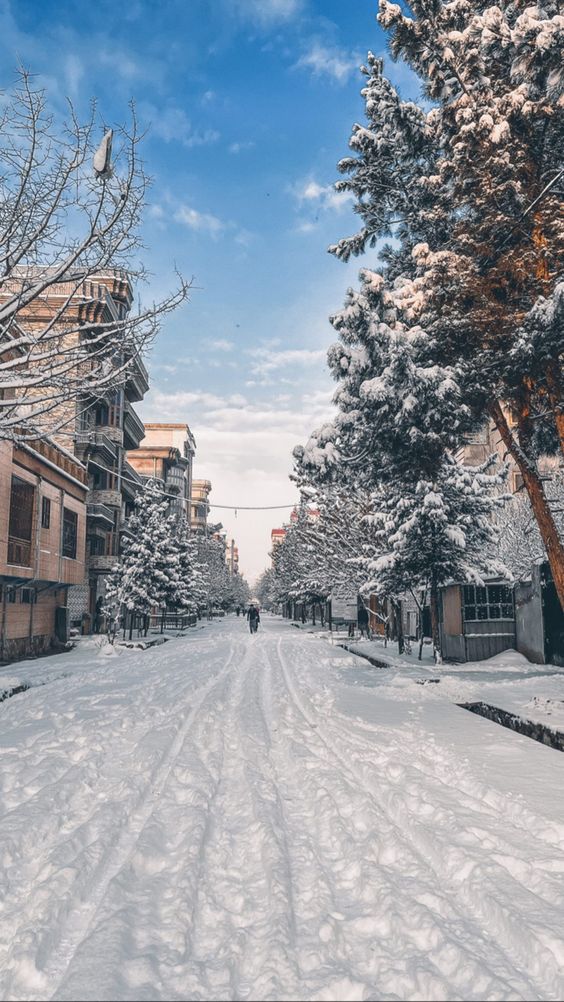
point(3, 635)
point(36, 557)
point(61, 509)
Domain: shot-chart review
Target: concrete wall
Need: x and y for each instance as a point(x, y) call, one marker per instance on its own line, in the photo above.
point(529, 617)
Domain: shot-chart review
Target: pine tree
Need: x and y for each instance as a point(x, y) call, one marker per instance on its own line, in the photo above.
point(472, 190)
point(148, 575)
point(190, 594)
point(401, 416)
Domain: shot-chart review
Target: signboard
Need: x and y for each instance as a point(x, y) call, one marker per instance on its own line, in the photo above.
point(344, 608)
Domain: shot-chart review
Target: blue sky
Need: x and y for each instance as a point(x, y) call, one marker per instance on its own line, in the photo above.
point(250, 104)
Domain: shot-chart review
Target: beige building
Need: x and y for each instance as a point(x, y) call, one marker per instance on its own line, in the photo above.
point(201, 490)
point(99, 431)
point(232, 557)
point(166, 453)
point(42, 544)
point(486, 442)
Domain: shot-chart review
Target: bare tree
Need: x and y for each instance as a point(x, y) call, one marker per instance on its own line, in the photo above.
point(71, 203)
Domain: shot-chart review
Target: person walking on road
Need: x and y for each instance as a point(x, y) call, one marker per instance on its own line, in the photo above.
point(254, 618)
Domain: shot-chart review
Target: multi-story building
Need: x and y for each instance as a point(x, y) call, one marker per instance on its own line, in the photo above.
point(101, 430)
point(98, 430)
point(487, 441)
point(102, 433)
point(201, 490)
point(43, 518)
point(166, 453)
point(232, 557)
point(277, 536)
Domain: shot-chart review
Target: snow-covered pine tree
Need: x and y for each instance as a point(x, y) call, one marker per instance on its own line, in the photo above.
point(265, 589)
point(401, 417)
point(519, 544)
point(215, 577)
point(432, 532)
point(473, 188)
point(239, 592)
point(190, 589)
point(147, 576)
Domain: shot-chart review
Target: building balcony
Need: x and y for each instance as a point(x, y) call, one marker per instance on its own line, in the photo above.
point(111, 498)
point(100, 514)
point(137, 380)
point(102, 563)
point(112, 432)
point(98, 443)
point(133, 428)
point(131, 482)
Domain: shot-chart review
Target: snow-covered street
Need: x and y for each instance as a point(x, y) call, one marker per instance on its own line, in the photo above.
point(237, 817)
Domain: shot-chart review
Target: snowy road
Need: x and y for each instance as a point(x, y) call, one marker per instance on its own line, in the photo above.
point(227, 817)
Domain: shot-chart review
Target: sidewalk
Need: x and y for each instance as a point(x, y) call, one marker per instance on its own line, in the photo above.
point(525, 693)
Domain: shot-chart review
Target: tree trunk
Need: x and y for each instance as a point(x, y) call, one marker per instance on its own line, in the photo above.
point(398, 624)
point(313, 613)
point(541, 509)
point(131, 626)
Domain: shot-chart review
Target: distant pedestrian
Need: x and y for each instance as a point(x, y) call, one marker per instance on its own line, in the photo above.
point(99, 615)
point(238, 610)
point(363, 622)
point(254, 618)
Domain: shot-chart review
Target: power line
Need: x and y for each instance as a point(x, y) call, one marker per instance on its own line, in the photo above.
point(176, 497)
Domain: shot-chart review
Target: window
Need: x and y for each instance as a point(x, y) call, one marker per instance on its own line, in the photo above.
point(21, 522)
point(45, 513)
point(27, 596)
point(11, 595)
point(490, 602)
point(70, 524)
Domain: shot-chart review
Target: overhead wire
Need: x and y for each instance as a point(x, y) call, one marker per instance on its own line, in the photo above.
point(166, 494)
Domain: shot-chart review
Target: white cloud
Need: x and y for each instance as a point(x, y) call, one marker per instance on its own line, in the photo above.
point(239, 147)
point(266, 12)
point(74, 72)
point(119, 61)
point(266, 361)
point(202, 222)
point(172, 125)
point(222, 344)
point(317, 199)
point(322, 196)
point(328, 60)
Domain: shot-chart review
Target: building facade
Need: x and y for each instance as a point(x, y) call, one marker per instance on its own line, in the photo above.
point(200, 505)
point(232, 557)
point(167, 453)
point(98, 431)
point(43, 517)
point(277, 536)
point(103, 432)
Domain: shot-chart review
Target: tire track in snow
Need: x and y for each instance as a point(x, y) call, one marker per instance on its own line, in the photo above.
point(80, 918)
point(387, 883)
point(499, 918)
point(243, 923)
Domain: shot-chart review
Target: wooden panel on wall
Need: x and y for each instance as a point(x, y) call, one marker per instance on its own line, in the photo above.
point(452, 610)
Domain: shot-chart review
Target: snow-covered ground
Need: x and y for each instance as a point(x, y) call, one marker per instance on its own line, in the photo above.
point(268, 817)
